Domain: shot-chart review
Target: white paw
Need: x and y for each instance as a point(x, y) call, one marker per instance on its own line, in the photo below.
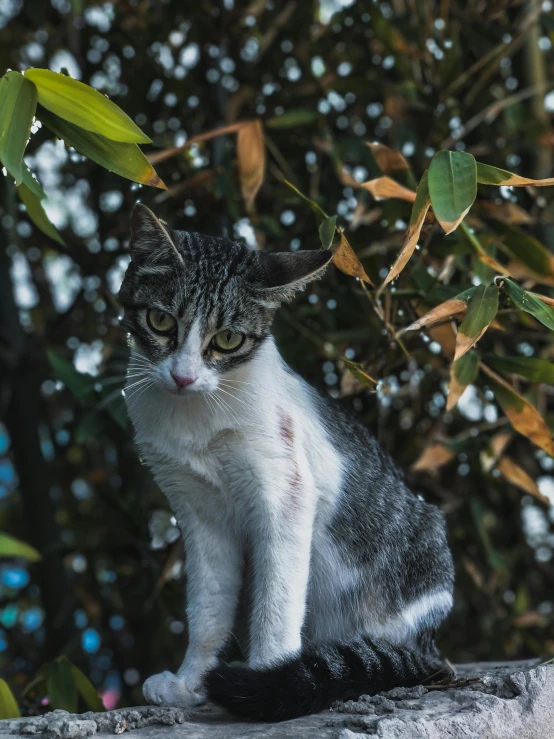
point(166, 689)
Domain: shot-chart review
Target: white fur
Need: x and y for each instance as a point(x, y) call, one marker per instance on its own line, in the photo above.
point(247, 466)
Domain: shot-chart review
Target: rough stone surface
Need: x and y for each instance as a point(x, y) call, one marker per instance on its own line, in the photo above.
point(511, 700)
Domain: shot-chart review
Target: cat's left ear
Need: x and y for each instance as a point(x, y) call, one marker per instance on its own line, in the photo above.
point(151, 241)
point(280, 274)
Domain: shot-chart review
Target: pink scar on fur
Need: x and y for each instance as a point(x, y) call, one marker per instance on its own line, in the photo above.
point(295, 480)
point(285, 428)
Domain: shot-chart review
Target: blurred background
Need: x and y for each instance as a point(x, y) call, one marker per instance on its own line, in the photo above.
point(324, 78)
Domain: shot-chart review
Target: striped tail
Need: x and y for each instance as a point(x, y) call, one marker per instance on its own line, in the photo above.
point(319, 675)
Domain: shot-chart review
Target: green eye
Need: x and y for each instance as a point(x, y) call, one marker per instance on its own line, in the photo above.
point(228, 341)
point(160, 321)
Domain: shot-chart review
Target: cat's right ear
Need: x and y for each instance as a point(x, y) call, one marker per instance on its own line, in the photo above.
point(151, 242)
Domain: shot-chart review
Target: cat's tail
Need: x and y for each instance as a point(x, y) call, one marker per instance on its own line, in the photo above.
point(319, 675)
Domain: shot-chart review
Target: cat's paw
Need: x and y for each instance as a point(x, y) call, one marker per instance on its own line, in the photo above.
point(166, 689)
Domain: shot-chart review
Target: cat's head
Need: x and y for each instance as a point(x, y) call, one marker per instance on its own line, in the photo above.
point(199, 306)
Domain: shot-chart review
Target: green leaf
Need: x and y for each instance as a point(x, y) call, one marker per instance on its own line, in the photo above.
point(126, 160)
point(487, 175)
point(452, 182)
point(79, 384)
point(8, 704)
point(537, 370)
point(481, 311)
point(36, 213)
point(319, 213)
point(19, 103)
point(86, 689)
point(327, 231)
point(526, 249)
point(32, 184)
point(61, 686)
point(360, 374)
point(292, 118)
point(12, 547)
point(84, 106)
point(529, 303)
point(466, 368)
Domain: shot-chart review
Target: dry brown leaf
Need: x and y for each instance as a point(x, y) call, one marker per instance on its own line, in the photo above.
point(455, 391)
point(493, 264)
point(388, 160)
point(432, 457)
point(160, 156)
point(450, 226)
point(520, 271)
point(523, 416)
point(251, 158)
point(345, 259)
point(517, 476)
point(445, 336)
point(497, 446)
point(464, 343)
point(516, 181)
point(453, 308)
point(420, 207)
point(385, 187)
point(506, 212)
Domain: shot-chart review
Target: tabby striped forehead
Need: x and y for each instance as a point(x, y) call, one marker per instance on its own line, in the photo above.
point(197, 279)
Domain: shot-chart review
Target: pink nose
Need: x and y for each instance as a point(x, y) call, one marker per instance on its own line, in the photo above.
point(181, 381)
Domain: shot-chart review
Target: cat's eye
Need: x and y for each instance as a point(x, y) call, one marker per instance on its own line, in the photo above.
point(227, 341)
point(160, 321)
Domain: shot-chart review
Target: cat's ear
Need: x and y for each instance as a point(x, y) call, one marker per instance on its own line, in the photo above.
point(281, 274)
point(151, 241)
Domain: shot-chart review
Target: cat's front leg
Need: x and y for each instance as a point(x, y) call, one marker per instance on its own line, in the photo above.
point(214, 573)
point(280, 573)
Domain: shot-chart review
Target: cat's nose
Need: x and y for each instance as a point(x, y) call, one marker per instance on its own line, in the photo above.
point(181, 381)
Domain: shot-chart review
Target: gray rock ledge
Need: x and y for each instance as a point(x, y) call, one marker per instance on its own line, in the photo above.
point(509, 700)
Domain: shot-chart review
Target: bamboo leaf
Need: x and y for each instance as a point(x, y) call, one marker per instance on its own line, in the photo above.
point(537, 370)
point(452, 187)
point(517, 476)
point(84, 106)
point(32, 184)
point(526, 249)
point(36, 213)
point(453, 308)
point(523, 416)
point(462, 374)
point(360, 374)
point(388, 160)
point(292, 118)
point(385, 187)
point(12, 547)
point(433, 457)
point(126, 160)
point(17, 109)
point(487, 175)
point(481, 311)
point(327, 231)
point(86, 689)
point(8, 704)
point(79, 384)
point(419, 211)
point(318, 212)
point(345, 259)
point(251, 158)
point(60, 685)
point(529, 303)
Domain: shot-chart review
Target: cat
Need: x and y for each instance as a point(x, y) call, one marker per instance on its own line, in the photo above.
point(282, 497)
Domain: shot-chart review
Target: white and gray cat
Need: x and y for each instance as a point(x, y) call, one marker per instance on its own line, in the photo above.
point(283, 498)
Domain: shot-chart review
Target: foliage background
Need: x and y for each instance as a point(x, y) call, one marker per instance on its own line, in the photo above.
point(324, 78)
